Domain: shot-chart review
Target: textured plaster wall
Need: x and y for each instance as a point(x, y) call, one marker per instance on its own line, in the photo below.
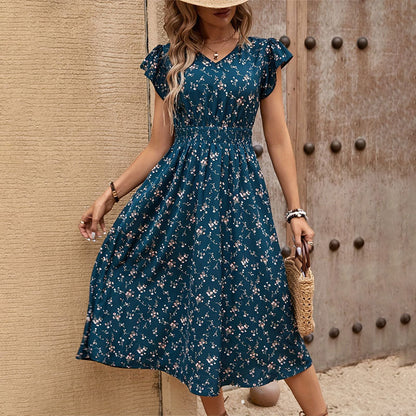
point(73, 114)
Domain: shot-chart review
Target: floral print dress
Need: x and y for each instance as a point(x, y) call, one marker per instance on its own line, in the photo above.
point(190, 279)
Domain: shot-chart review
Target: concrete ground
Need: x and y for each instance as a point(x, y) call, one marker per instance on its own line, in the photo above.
point(379, 387)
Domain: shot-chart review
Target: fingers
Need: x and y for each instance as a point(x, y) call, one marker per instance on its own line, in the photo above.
point(102, 225)
point(297, 232)
point(298, 239)
point(94, 228)
point(84, 224)
point(88, 225)
point(82, 227)
point(298, 244)
point(309, 235)
point(301, 228)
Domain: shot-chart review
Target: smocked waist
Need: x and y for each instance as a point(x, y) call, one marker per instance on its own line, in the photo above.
point(214, 134)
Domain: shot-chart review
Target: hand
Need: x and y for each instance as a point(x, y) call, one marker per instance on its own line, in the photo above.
point(300, 227)
point(94, 215)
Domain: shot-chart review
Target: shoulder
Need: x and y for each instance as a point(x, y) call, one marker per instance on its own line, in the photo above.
point(164, 48)
point(258, 42)
point(266, 45)
point(271, 52)
point(160, 50)
point(156, 58)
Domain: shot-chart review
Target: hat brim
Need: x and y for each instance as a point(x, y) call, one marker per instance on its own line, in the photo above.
point(218, 4)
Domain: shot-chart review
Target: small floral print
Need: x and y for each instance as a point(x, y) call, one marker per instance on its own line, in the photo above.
point(190, 279)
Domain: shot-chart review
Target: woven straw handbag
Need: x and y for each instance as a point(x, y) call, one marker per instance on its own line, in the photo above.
point(301, 286)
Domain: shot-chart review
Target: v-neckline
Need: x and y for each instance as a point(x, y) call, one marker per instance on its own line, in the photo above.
point(222, 59)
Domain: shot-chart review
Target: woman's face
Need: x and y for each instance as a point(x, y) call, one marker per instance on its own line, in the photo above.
point(216, 17)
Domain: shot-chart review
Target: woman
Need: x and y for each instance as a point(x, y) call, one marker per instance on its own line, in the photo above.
point(190, 279)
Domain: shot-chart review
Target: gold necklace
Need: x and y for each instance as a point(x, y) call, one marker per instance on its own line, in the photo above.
point(223, 41)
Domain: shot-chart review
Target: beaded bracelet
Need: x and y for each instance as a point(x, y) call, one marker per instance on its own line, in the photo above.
point(114, 192)
point(297, 212)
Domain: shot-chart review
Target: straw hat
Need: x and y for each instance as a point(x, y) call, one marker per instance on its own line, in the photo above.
point(215, 3)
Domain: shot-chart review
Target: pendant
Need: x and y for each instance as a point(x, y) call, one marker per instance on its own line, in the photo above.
point(215, 55)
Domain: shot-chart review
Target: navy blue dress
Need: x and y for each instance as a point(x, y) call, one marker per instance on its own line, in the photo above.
point(190, 279)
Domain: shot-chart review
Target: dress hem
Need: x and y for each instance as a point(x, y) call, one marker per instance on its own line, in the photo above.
point(225, 382)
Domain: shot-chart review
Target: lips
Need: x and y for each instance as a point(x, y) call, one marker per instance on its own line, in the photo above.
point(223, 12)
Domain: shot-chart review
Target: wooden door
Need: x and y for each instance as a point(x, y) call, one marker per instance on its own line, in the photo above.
point(354, 106)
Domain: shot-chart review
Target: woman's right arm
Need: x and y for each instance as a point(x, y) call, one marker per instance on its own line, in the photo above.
point(160, 142)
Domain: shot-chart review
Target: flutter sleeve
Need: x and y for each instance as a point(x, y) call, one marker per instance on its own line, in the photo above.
point(276, 54)
point(155, 68)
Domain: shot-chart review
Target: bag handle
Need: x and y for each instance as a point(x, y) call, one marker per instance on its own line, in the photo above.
point(304, 258)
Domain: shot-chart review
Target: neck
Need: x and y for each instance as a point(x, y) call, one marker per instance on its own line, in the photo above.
point(215, 33)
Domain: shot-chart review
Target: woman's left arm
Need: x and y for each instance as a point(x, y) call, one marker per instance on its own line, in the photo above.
point(281, 153)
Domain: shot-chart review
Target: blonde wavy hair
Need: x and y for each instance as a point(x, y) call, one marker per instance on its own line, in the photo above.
point(181, 24)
